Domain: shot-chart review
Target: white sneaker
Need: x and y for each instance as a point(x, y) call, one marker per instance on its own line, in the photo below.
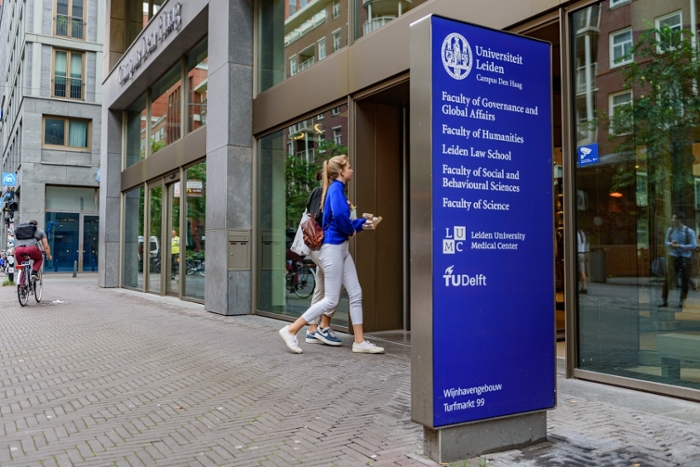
point(290, 339)
point(366, 347)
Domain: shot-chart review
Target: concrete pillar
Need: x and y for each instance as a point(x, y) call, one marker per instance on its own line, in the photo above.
point(229, 151)
point(110, 198)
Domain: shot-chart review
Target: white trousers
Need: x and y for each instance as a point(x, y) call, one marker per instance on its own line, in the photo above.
point(319, 290)
point(339, 271)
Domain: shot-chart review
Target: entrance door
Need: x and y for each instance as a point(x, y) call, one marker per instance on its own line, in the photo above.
point(155, 236)
point(63, 234)
point(175, 260)
point(88, 259)
point(380, 188)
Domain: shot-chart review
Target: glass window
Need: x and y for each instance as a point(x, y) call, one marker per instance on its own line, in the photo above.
point(76, 199)
point(373, 14)
point(636, 211)
point(197, 83)
point(70, 18)
point(135, 117)
point(68, 74)
point(166, 109)
point(195, 226)
point(322, 48)
point(674, 22)
point(288, 33)
point(155, 232)
point(133, 251)
point(66, 132)
point(289, 160)
point(337, 44)
point(621, 46)
point(614, 3)
point(336, 8)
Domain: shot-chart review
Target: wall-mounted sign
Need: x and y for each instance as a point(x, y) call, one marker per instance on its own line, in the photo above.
point(588, 154)
point(195, 188)
point(166, 21)
point(9, 179)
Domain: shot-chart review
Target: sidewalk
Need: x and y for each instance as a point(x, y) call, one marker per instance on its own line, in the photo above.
point(98, 377)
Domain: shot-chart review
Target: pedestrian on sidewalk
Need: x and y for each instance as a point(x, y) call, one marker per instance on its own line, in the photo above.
point(334, 257)
point(680, 240)
point(583, 261)
point(325, 334)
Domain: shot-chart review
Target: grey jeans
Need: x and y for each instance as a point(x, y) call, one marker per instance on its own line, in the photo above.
point(339, 271)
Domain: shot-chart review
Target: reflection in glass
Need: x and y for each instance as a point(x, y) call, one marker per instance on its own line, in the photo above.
point(156, 263)
point(289, 161)
point(197, 83)
point(295, 34)
point(166, 109)
point(135, 131)
point(91, 230)
point(133, 251)
point(638, 153)
point(373, 14)
point(62, 232)
point(172, 276)
point(196, 203)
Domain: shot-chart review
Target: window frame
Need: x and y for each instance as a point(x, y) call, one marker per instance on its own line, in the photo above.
point(657, 25)
point(630, 58)
point(68, 53)
point(340, 40)
point(339, 135)
point(617, 3)
point(66, 129)
point(335, 12)
point(318, 44)
point(293, 70)
point(70, 27)
point(612, 107)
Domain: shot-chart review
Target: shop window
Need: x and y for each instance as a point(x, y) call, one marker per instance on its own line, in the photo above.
point(288, 34)
point(68, 74)
point(70, 18)
point(197, 85)
point(135, 118)
point(166, 109)
point(635, 310)
point(195, 244)
point(66, 133)
point(621, 48)
point(289, 160)
point(373, 14)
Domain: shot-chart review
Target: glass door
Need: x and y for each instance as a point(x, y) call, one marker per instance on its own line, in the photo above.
point(63, 234)
point(175, 261)
point(90, 225)
point(155, 236)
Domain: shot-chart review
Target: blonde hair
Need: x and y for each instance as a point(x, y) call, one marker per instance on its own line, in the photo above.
point(331, 170)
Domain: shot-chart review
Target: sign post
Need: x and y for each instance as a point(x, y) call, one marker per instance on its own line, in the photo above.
point(482, 238)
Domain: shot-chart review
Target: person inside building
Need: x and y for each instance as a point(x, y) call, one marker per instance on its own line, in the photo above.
point(31, 240)
point(583, 250)
point(680, 241)
point(174, 253)
point(334, 257)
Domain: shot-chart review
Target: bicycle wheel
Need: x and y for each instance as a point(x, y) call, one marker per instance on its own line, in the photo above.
point(39, 287)
point(305, 283)
point(21, 289)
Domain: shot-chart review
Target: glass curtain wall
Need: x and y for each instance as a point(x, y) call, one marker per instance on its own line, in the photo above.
point(136, 117)
point(636, 115)
point(194, 242)
point(166, 113)
point(197, 84)
point(289, 160)
point(295, 34)
point(133, 259)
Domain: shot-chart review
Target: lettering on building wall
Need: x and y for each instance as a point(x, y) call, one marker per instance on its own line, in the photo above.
point(168, 20)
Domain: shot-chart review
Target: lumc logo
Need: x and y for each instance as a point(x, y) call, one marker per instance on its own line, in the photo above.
point(457, 56)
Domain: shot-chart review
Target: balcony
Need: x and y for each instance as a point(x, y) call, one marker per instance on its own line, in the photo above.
point(71, 88)
point(376, 23)
point(68, 26)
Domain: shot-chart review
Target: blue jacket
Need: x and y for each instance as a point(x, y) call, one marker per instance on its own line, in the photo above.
point(336, 216)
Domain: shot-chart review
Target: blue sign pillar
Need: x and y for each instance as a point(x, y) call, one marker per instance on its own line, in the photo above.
point(482, 100)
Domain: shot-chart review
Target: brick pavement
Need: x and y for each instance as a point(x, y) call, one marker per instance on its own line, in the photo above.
point(97, 377)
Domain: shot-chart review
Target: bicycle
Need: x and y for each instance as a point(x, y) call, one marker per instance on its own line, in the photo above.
point(301, 280)
point(25, 285)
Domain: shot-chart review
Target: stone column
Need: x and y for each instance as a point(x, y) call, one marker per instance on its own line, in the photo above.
point(110, 198)
point(229, 151)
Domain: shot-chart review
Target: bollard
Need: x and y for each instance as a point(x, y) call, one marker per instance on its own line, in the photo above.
point(75, 268)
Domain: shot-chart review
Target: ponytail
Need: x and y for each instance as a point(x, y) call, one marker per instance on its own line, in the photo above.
point(331, 170)
point(325, 183)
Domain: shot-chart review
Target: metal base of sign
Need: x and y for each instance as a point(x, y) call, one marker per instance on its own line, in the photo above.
point(467, 441)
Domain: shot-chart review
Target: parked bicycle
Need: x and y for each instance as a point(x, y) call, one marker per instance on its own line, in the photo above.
point(195, 265)
point(27, 285)
point(301, 280)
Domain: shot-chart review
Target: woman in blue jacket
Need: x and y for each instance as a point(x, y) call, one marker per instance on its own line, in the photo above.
point(337, 264)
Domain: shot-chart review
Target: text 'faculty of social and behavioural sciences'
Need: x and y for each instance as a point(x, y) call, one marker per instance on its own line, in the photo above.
point(492, 224)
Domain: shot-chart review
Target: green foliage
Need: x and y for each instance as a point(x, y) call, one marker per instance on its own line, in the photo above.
point(655, 131)
point(7, 282)
point(301, 178)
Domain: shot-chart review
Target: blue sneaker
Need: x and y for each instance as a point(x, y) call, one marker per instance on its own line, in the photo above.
point(327, 337)
point(311, 338)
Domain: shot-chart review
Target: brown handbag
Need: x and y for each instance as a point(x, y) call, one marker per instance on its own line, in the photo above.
point(313, 234)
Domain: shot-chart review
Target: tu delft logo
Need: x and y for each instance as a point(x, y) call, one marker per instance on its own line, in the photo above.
point(457, 56)
point(454, 241)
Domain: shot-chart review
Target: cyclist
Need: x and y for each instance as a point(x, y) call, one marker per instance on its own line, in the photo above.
point(28, 241)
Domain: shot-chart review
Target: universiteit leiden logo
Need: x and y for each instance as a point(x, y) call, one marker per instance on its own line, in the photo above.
point(456, 56)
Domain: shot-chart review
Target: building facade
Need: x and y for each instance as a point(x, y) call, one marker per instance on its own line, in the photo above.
point(50, 126)
point(200, 198)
